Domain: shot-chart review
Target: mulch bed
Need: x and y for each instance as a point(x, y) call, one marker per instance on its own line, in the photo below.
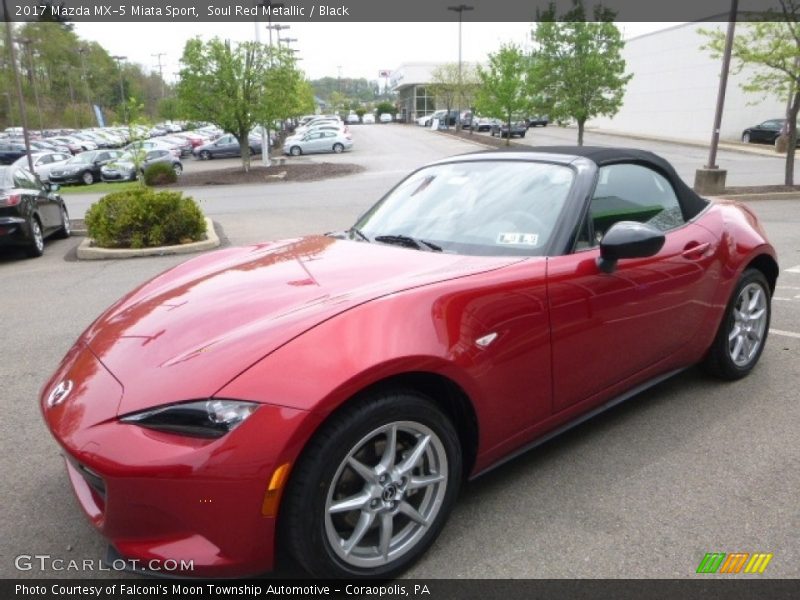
point(276, 173)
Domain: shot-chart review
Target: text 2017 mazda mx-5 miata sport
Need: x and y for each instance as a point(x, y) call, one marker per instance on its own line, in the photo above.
point(327, 396)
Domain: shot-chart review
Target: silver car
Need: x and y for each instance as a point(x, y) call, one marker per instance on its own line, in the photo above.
point(43, 162)
point(318, 141)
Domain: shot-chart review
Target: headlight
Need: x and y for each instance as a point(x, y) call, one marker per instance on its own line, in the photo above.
point(203, 418)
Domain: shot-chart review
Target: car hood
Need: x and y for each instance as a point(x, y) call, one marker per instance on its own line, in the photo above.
point(191, 330)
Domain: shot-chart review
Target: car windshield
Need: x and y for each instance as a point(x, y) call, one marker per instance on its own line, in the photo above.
point(85, 157)
point(488, 208)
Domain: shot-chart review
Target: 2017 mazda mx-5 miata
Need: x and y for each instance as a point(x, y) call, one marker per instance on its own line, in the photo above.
point(328, 395)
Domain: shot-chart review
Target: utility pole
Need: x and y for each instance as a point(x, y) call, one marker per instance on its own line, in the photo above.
point(119, 60)
point(158, 56)
point(23, 115)
point(278, 27)
point(265, 129)
point(26, 45)
point(460, 10)
point(82, 51)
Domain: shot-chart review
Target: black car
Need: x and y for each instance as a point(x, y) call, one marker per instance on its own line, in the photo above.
point(518, 128)
point(10, 152)
point(84, 167)
point(539, 120)
point(765, 133)
point(29, 211)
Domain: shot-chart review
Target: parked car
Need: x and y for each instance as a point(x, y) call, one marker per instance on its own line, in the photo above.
point(518, 128)
point(764, 133)
point(156, 144)
point(483, 124)
point(124, 168)
point(43, 163)
point(368, 119)
point(352, 118)
point(538, 121)
point(10, 152)
point(227, 145)
point(30, 211)
point(385, 117)
point(443, 116)
point(260, 377)
point(319, 141)
point(73, 145)
point(84, 167)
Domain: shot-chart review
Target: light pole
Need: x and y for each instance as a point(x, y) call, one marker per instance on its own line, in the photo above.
point(460, 10)
point(26, 45)
point(265, 129)
point(22, 114)
point(119, 60)
point(82, 51)
point(158, 56)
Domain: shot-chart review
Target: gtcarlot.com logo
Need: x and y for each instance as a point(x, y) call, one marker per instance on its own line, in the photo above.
point(47, 562)
point(734, 562)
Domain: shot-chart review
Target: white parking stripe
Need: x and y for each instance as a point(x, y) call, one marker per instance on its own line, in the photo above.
point(781, 298)
point(794, 269)
point(788, 287)
point(790, 334)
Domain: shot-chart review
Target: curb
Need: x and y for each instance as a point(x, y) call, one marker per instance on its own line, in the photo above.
point(86, 251)
point(762, 196)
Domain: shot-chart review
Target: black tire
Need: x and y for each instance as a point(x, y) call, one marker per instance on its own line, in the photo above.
point(295, 151)
point(338, 148)
point(87, 177)
point(720, 361)
point(35, 246)
point(307, 526)
point(205, 155)
point(522, 135)
point(253, 151)
point(178, 169)
point(746, 138)
point(66, 228)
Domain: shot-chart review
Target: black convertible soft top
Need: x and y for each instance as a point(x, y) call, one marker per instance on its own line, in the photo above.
point(691, 203)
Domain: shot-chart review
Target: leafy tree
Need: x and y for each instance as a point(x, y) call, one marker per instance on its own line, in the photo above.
point(385, 107)
point(772, 48)
point(503, 87)
point(236, 87)
point(444, 87)
point(577, 71)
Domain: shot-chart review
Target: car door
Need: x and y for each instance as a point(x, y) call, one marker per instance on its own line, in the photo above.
point(615, 328)
point(33, 191)
point(768, 131)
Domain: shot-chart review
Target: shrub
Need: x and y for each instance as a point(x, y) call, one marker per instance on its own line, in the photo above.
point(159, 174)
point(143, 218)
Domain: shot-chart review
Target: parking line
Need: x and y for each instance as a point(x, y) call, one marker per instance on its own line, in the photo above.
point(795, 269)
point(790, 334)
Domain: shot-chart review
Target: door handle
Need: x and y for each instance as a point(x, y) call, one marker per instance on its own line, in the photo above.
point(695, 250)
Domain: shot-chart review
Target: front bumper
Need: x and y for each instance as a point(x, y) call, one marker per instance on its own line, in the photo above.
point(161, 498)
point(66, 177)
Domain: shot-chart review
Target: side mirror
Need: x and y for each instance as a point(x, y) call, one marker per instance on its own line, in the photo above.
point(628, 239)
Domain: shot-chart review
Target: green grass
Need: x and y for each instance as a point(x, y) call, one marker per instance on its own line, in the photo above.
point(100, 187)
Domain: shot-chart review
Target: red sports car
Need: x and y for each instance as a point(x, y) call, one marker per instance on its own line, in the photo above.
point(327, 396)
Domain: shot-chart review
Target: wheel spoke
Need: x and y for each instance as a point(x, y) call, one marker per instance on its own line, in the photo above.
point(412, 513)
point(416, 454)
point(352, 503)
point(366, 473)
point(734, 332)
point(361, 528)
point(757, 314)
point(387, 529)
point(755, 296)
point(737, 349)
point(389, 452)
point(420, 482)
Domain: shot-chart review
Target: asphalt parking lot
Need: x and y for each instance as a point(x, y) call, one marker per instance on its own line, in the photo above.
point(644, 490)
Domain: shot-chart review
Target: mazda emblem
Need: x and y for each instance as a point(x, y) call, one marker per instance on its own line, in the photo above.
point(59, 393)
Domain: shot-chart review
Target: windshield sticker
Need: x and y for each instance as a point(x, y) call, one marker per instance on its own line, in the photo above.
point(524, 239)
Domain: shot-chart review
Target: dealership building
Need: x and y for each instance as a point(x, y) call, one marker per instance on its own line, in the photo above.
point(672, 94)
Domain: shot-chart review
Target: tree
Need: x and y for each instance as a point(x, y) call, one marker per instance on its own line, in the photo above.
point(385, 107)
point(445, 88)
point(772, 48)
point(503, 87)
point(237, 87)
point(577, 71)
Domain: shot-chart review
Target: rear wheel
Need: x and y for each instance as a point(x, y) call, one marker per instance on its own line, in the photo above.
point(66, 228)
point(205, 155)
point(87, 178)
point(744, 328)
point(178, 169)
point(374, 488)
point(35, 245)
point(338, 148)
point(295, 151)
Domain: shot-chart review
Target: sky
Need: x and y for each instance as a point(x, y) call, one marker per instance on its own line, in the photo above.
point(347, 49)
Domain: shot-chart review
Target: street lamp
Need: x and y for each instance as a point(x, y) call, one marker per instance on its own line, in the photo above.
point(22, 114)
point(82, 51)
point(119, 60)
point(460, 10)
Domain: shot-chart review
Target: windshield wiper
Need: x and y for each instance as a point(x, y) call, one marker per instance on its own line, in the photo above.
point(408, 241)
point(359, 234)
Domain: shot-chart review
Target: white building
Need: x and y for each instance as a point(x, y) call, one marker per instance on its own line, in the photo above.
point(673, 92)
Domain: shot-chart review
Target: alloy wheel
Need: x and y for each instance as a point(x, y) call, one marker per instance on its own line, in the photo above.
point(386, 494)
point(749, 324)
point(38, 236)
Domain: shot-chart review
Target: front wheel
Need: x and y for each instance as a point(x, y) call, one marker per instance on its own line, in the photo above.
point(66, 228)
point(338, 148)
point(177, 169)
point(746, 138)
point(205, 155)
point(88, 178)
point(35, 247)
point(295, 151)
point(744, 328)
point(374, 488)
